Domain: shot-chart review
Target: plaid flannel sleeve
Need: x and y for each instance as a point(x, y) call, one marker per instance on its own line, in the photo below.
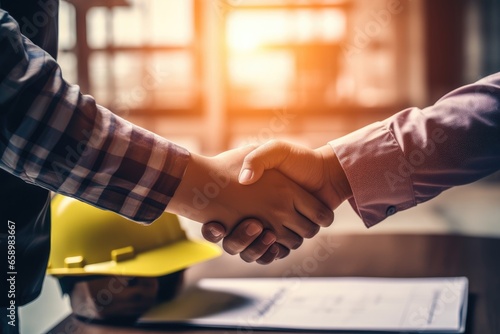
point(59, 139)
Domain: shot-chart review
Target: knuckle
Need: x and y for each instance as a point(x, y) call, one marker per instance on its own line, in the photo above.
point(246, 259)
point(297, 243)
point(312, 232)
point(250, 254)
point(266, 259)
point(282, 256)
point(283, 252)
point(230, 247)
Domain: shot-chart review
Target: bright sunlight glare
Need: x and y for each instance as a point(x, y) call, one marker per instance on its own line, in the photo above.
point(250, 31)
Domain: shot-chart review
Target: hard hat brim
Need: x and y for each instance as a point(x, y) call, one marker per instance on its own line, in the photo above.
point(154, 263)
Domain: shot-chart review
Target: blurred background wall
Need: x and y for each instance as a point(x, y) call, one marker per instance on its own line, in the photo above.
point(212, 74)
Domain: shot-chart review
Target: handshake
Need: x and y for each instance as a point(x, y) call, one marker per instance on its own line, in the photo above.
point(263, 201)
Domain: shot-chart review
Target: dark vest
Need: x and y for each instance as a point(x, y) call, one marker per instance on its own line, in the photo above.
point(27, 207)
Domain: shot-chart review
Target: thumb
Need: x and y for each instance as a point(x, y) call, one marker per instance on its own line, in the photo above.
point(267, 156)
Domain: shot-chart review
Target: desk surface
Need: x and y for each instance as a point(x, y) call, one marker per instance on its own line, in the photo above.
point(363, 255)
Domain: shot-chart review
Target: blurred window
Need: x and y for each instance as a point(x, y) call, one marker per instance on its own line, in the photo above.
point(314, 55)
point(139, 55)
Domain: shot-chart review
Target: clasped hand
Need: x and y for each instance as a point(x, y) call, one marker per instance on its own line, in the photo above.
point(261, 215)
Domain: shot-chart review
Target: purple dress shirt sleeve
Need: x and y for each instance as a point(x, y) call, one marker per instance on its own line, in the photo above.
point(416, 154)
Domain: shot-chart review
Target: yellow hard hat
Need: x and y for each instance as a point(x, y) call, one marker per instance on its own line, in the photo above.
point(89, 241)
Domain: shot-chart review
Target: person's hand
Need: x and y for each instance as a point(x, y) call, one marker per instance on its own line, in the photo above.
point(249, 239)
point(210, 191)
point(318, 171)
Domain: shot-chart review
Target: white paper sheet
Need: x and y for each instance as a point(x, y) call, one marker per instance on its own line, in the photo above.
point(369, 304)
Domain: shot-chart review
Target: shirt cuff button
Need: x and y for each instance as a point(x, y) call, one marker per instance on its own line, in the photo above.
point(391, 210)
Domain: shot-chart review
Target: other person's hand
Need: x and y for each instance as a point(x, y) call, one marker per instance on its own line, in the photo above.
point(318, 171)
point(210, 191)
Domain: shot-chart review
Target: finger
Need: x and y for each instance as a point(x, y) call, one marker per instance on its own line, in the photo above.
point(282, 251)
point(276, 252)
point(259, 247)
point(302, 226)
point(266, 156)
point(213, 231)
point(270, 255)
point(242, 236)
point(312, 209)
point(289, 238)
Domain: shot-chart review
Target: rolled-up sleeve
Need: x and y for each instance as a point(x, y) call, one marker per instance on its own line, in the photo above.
point(57, 138)
point(416, 154)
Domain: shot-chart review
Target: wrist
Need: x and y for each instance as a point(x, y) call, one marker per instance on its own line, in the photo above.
point(205, 190)
point(184, 202)
point(335, 177)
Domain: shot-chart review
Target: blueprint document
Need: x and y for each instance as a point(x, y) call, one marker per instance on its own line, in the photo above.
point(348, 303)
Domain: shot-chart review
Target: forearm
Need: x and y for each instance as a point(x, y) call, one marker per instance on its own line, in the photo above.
point(416, 154)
